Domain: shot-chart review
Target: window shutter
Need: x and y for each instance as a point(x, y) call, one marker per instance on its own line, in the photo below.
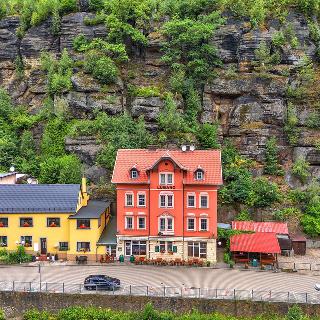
point(157, 249)
point(174, 249)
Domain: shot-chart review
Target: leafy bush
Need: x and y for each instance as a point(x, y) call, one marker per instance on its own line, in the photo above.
point(264, 58)
point(65, 169)
point(243, 215)
point(101, 67)
point(266, 192)
point(59, 72)
point(300, 169)
point(145, 92)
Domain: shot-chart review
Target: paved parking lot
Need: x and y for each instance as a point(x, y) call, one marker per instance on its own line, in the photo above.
point(167, 276)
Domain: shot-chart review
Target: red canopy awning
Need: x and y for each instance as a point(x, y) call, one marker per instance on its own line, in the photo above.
point(255, 242)
point(276, 227)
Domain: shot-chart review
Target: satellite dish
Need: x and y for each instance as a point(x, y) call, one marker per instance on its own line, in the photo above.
point(192, 147)
point(11, 169)
point(29, 180)
point(183, 147)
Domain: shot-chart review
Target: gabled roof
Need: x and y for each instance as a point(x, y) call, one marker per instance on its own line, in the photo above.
point(208, 160)
point(275, 227)
point(39, 198)
point(93, 210)
point(6, 174)
point(264, 242)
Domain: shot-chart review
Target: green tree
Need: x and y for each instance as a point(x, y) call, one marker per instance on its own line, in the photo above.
point(271, 161)
point(300, 169)
point(207, 136)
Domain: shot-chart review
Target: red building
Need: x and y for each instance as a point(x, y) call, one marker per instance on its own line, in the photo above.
point(167, 202)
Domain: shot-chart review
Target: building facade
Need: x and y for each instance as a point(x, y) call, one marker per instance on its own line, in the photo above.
point(56, 219)
point(167, 203)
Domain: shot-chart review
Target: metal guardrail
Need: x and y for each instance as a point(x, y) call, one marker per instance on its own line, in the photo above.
point(165, 291)
point(299, 266)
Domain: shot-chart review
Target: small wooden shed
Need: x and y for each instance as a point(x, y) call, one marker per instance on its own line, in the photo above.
point(299, 245)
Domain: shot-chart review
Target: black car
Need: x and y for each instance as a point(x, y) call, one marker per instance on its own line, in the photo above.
point(101, 282)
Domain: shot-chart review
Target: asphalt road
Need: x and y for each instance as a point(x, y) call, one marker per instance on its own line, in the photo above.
point(166, 276)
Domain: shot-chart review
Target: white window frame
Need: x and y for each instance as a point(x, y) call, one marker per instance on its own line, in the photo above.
point(134, 171)
point(166, 200)
point(126, 199)
point(194, 224)
point(194, 197)
point(202, 174)
point(141, 194)
point(145, 222)
point(166, 174)
point(203, 195)
point(200, 227)
point(166, 230)
point(126, 222)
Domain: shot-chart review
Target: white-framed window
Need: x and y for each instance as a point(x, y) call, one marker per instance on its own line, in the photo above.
point(141, 199)
point(129, 199)
point(129, 222)
point(197, 250)
point(204, 201)
point(166, 224)
point(142, 223)
point(26, 241)
point(191, 224)
point(203, 224)
point(191, 200)
point(199, 174)
point(83, 246)
point(166, 178)
point(166, 201)
point(134, 173)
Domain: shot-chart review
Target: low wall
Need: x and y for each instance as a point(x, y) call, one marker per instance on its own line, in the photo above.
point(14, 304)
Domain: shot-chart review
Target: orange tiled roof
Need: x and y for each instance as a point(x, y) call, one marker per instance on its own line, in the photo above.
point(144, 160)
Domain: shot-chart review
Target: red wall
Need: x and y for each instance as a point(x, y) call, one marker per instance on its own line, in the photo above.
point(180, 205)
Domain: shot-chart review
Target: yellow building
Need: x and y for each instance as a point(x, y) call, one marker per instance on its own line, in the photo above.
point(56, 219)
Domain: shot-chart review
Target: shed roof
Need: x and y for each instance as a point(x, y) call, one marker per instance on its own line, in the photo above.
point(145, 159)
point(6, 174)
point(108, 235)
point(264, 242)
point(39, 198)
point(92, 210)
point(298, 238)
point(276, 227)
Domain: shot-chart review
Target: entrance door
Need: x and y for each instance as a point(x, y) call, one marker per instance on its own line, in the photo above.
point(43, 243)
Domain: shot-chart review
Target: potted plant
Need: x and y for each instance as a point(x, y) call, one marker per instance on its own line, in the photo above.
point(1, 225)
point(26, 224)
point(53, 224)
point(231, 264)
point(208, 263)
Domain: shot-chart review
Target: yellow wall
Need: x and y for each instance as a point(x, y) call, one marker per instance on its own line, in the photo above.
point(54, 235)
point(67, 232)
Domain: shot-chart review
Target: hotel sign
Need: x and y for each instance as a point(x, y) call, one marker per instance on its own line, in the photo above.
point(166, 187)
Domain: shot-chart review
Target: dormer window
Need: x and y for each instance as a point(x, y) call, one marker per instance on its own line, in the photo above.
point(134, 173)
point(199, 174)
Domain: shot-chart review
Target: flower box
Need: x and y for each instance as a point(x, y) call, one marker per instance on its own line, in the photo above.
point(53, 224)
point(1, 225)
point(26, 224)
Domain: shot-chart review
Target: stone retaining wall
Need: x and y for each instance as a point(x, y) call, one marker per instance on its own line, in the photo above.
point(15, 304)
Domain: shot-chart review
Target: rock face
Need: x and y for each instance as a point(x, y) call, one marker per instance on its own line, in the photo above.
point(249, 106)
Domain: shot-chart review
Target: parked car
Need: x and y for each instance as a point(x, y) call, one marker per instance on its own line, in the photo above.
point(101, 282)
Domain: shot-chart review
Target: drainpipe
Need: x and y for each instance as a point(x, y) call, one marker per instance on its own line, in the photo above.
point(183, 201)
point(149, 196)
